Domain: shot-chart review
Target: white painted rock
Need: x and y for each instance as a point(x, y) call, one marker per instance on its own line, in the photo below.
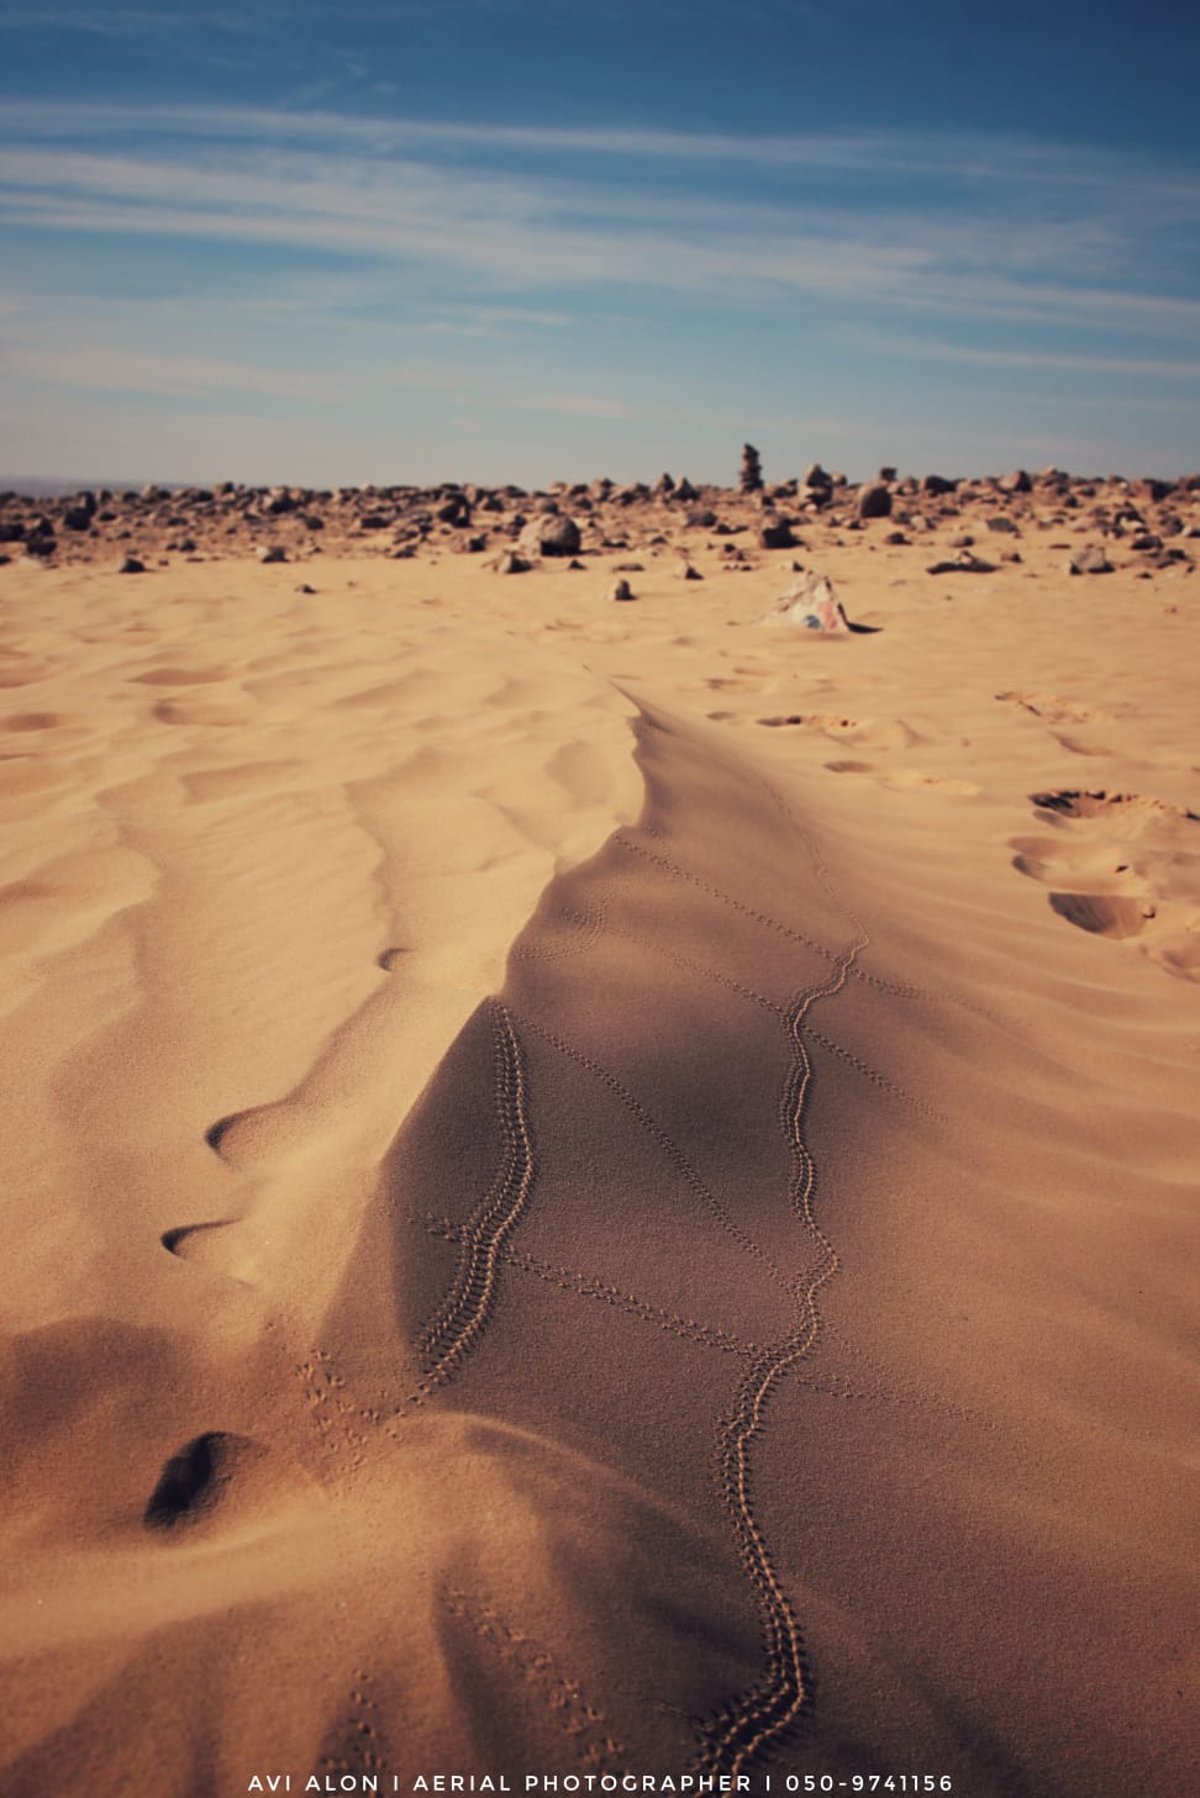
point(810, 603)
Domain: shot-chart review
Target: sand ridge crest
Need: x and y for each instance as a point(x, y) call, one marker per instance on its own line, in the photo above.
point(436, 1137)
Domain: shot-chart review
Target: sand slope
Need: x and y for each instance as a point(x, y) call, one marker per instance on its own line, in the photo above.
point(592, 1188)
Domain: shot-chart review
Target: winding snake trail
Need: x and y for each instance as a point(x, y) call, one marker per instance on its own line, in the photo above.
point(751, 1722)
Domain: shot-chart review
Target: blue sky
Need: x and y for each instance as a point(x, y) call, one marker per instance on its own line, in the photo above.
point(493, 240)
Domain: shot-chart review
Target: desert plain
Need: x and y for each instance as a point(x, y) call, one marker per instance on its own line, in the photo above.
point(600, 1186)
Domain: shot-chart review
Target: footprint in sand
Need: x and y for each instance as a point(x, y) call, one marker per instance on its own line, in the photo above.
point(1123, 867)
point(1054, 711)
point(202, 1478)
point(865, 733)
point(908, 780)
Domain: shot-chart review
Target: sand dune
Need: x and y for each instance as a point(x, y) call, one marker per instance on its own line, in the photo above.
point(589, 1191)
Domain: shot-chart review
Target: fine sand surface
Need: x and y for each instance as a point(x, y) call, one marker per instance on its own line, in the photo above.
point(598, 1187)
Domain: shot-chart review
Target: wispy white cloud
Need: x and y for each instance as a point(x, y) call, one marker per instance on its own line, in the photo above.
point(559, 272)
point(534, 232)
point(992, 158)
point(52, 346)
point(1059, 361)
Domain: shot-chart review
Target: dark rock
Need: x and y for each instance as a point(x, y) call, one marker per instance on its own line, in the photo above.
point(273, 552)
point(552, 534)
point(896, 537)
point(131, 565)
point(776, 533)
point(1017, 482)
point(936, 483)
point(1002, 522)
point(750, 477)
point(622, 590)
point(1091, 560)
point(815, 476)
point(874, 502)
point(887, 474)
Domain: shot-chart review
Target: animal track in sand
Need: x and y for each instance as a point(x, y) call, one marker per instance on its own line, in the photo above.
point(1122, 866)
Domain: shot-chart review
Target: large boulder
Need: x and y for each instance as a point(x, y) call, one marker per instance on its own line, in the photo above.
point(874, 501)
point(776, 533)
point(551, 534)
